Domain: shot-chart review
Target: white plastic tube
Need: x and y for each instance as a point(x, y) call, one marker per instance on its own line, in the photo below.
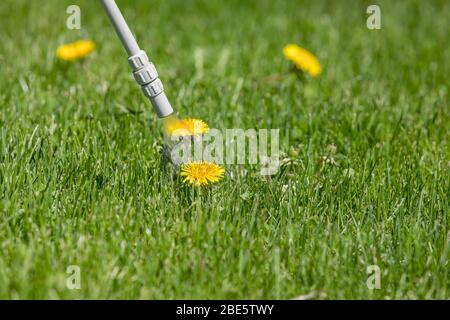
point(121, 26)
point(143, 70)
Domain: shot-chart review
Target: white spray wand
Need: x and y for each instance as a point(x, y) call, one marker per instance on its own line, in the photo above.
point(143, 70)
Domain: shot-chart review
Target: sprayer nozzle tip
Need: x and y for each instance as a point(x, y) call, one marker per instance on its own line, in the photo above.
point(162, 105)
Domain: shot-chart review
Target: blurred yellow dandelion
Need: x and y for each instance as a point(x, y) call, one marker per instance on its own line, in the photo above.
point(201, 173)
point(303, 59)
point(75, 50)
point(185, 127)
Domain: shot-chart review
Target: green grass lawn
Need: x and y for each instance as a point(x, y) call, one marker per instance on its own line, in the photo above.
point(83, 182)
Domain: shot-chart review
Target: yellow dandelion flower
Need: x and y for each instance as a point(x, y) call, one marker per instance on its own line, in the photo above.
point(201, 173)
point(185, 127)
point(75, 50)
point(303, 59)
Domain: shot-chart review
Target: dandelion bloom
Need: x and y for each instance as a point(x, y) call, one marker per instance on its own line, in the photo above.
point(303, 59)
point(75, 50)
point(201, 173)
point(185, 127)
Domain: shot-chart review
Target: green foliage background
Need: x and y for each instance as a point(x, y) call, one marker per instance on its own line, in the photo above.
point(82, 180)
